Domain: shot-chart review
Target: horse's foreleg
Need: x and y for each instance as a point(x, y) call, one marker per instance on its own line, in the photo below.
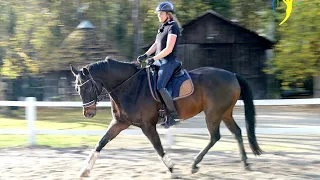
point(113, 130)
point(154, 138)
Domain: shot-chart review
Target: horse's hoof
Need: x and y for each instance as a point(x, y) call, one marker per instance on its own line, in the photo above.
point(247, 167)
point(85, 173)
point(174, 175)
point(194, 170)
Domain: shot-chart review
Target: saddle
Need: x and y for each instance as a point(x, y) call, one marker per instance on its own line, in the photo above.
point(179, 86)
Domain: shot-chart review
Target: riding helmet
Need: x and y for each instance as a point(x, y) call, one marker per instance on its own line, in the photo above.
point(166, 7)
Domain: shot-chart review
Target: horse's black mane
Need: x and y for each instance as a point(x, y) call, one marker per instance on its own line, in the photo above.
point(103, 65)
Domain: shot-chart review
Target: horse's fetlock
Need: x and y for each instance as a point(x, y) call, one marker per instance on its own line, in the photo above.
point(217, 136)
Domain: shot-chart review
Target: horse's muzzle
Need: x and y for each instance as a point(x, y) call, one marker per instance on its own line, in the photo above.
point(90, 111)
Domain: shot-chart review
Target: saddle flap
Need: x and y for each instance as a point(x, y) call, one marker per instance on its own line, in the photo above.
point(186, 88)
point(179, 86)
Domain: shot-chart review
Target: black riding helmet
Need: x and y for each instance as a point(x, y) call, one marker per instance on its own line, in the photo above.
point(166, 7)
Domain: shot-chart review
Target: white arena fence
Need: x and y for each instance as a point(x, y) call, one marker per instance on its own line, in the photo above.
point(31, 105)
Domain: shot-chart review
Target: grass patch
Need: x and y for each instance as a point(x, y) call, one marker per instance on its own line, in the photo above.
point(56, 141)
point(12, 123)
point(55, 119)
point(13, 140)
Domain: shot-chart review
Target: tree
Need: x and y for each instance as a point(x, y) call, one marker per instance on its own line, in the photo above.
point(297, 53)
point(223, 7)
point(252, 14)
point(136, 27)
point(17, 59)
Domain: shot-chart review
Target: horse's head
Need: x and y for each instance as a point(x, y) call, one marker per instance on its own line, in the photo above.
point(88, 89)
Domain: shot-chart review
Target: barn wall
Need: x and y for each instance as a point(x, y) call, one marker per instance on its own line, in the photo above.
point(190, 56)
point(59, 86)
point(244, 59)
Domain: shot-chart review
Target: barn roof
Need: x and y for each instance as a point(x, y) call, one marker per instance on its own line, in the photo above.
point(83, 46)
point(85, 24)
point(211, 12)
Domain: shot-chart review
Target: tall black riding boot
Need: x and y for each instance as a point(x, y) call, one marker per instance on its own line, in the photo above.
point(170, 106)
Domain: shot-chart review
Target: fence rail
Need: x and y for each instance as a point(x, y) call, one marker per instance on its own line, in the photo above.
point(31, 115)
point(266, 102)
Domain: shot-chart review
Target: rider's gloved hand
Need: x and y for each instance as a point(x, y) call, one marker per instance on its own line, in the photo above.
point(150, 61)
point(142, 57)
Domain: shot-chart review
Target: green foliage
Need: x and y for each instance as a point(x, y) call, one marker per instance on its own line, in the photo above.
point(253, 14)
point(18, 59)
point(297, 53)
point(188, 10)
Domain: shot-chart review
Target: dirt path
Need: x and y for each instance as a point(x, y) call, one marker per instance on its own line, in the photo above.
point(132, 157)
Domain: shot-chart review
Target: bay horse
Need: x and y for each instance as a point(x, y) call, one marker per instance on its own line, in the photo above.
point(216, 92)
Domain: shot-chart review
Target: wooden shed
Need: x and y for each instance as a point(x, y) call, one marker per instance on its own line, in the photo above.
point(212, 40)
point(83, 46)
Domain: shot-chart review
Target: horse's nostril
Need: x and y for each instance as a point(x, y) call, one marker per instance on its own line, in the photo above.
point(86, 115)
point(89, 115)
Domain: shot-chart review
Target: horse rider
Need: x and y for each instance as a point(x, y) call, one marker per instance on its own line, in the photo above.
point(165, 48)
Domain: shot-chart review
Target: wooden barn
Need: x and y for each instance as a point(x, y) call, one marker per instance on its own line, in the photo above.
point(212, 40)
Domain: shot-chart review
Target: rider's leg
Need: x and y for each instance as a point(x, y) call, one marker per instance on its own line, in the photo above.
point(164, 74)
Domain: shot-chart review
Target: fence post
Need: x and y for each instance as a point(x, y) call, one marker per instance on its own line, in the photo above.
point(31, 115)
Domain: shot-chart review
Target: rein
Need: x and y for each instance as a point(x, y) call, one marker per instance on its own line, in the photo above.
point(125, 81)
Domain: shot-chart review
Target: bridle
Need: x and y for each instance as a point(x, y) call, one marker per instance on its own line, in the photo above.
point(102, 95)
point(97, 97)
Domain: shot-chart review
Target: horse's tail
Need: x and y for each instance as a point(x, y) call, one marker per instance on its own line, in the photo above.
point(249, 111)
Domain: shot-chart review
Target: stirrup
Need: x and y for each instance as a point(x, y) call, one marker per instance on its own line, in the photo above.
point(170, 122)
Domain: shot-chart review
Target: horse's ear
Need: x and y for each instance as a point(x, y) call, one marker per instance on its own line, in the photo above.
point(85, 72)
point(74, 70)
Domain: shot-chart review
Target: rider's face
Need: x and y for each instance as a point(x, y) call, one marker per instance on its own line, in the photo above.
point(162, 16)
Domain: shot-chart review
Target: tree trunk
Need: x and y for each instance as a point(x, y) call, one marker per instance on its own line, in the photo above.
point(136, 28)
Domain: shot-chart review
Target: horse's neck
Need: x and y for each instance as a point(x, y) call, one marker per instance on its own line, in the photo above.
point(114, 73)
point(127, 94)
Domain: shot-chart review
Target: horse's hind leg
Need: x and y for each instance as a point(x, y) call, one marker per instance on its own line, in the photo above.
point(213, 124)
point(236, 131)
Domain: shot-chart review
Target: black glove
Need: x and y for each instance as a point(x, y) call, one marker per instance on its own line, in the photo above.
point(142, 57)
point(150, 61)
